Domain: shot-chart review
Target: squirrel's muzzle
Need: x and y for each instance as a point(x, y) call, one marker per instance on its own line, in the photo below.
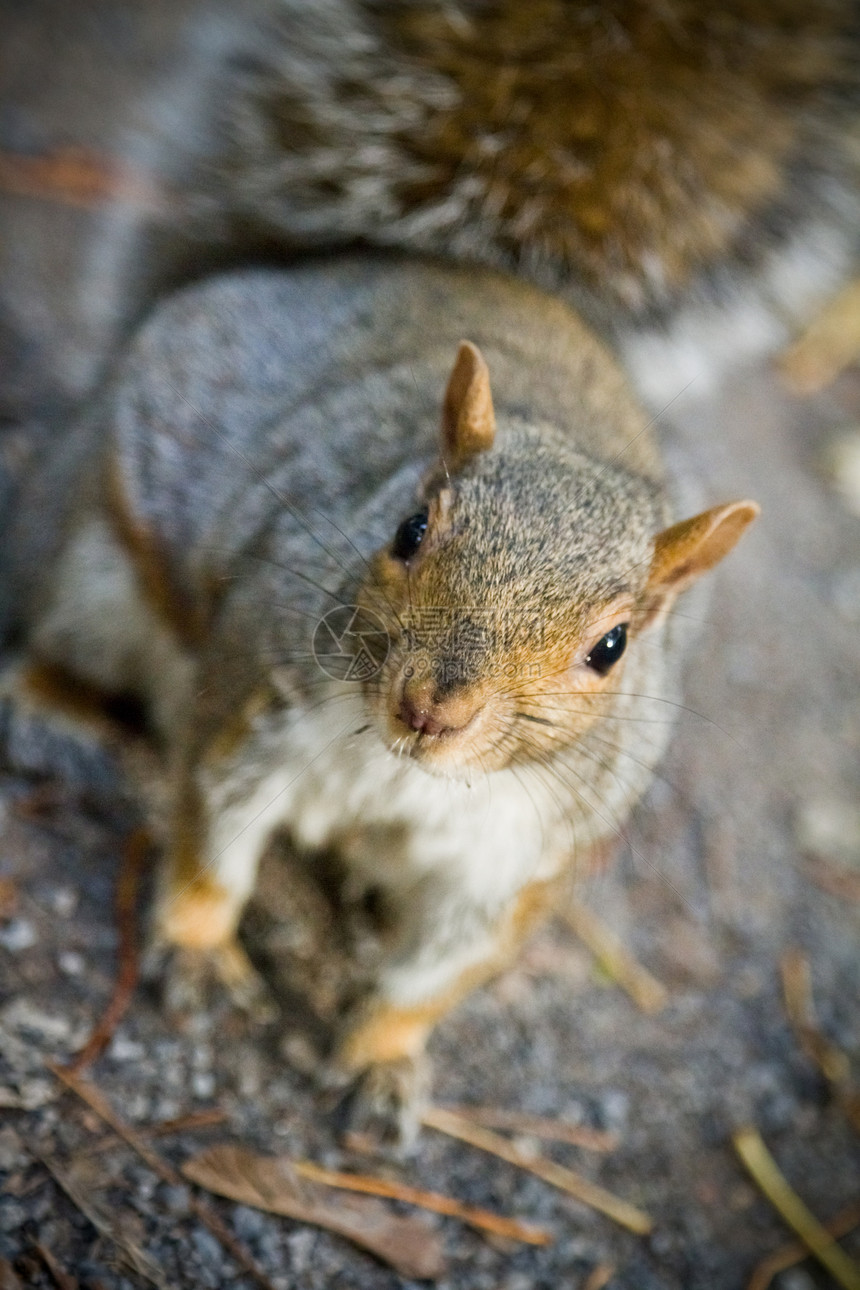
point(423, 710)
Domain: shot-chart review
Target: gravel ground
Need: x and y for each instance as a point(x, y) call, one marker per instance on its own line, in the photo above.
point(727, 864)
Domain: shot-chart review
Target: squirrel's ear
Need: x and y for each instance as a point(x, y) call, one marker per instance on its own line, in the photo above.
point(468, 420)
point(690, 548)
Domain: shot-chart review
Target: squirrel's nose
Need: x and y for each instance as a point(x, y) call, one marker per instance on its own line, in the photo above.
point(420, 711)
point(424, 720)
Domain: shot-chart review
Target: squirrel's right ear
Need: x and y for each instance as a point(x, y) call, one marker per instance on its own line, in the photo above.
point(468, 420)
point(683, 552)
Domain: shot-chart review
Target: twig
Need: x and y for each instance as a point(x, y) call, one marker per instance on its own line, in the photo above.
point(98, 1103)
point(645, 990)
point(9, 1279)
point(59, 1274)
point(795, 1252)
point(434, 1201)
point(761, 1165)
point(77, 177)
point(537, 1126)
point(185, 1123)
point(135, 852)
point(204, 1119)
point(842, 883)
point(557, 1175)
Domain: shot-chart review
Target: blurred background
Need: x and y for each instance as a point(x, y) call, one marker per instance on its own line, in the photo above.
point(738, 876)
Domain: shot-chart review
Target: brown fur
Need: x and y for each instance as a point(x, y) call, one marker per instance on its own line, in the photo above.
point(164, 597)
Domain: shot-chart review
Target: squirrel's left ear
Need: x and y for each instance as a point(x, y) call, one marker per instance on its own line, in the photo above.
point(690, 548)
point(468, 420)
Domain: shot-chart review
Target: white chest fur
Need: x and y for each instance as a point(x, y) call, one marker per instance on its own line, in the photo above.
point(332, 783)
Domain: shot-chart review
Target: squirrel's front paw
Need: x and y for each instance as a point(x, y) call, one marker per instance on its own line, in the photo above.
point(190, 978)
point(387, 1103)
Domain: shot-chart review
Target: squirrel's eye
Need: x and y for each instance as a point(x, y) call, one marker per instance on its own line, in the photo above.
point(608, 650)
point(408, 537)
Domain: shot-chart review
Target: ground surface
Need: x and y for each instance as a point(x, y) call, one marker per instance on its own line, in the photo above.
point(722, 872)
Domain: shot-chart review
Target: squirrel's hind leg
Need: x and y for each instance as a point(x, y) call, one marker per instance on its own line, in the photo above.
point(449, 954)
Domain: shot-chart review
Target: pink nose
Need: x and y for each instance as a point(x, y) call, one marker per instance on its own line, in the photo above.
point(422, 719)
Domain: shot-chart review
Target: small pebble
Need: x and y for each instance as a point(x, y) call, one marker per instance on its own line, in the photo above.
point(63, 901)
point(249, 1223)
point(175, 1199)
point(11, 1153)
point(123, 1049)
point(12, 1216)
point(829, 827)
point(795, 1279)
point(300, 1053)
point(208, 1250)
point(614, 1107)
point(18, 934)
point(37, 1092)
point(203, 1084)
point(71, 963)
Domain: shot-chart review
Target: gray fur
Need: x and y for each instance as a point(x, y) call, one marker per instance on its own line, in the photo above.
point(269, 431)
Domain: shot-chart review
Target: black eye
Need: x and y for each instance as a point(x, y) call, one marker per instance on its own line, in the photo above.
point(408, 537)
point(608, 650)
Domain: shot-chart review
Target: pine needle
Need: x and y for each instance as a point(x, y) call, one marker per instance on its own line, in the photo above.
point(795, 1251)
point(565, 1179)
point(645, 990)
point(439, 1204)
point(538, 1126)
point(765, 1173)
point(830, 1060)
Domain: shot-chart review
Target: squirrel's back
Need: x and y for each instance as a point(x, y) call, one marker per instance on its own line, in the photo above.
point(305, 387)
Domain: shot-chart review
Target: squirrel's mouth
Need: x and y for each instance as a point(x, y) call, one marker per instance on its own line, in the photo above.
point(444, 733)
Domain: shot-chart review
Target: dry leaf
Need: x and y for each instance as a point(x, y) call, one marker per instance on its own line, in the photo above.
point(268, 1182)
point(136, 1259)
point(97, 1102)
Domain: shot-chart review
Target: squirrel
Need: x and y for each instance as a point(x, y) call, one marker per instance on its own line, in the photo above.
point(687, 177)
point(437, 652)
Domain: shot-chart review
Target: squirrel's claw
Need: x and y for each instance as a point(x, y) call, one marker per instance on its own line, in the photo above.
point(387, 1103)
point(189, 978)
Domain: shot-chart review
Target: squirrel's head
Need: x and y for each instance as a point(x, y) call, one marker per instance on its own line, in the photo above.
point(519, 585)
